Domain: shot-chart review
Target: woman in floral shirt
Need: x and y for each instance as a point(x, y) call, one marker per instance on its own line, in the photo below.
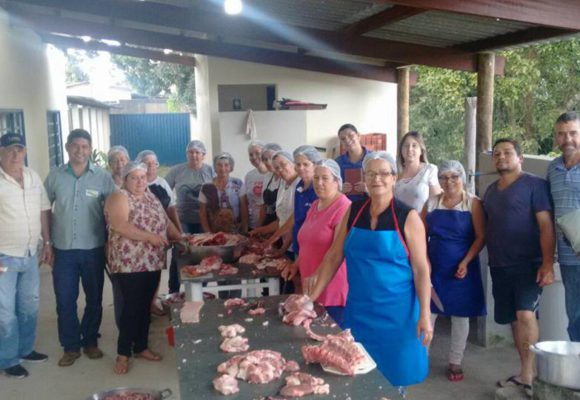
point(138, 237)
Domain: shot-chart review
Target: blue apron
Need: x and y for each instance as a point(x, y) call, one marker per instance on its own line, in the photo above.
point(451, 235)
point(382, 309)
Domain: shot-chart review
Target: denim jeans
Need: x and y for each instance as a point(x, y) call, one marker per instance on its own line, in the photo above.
point(18, 308)
point(571, 280)
point(173, 282)
point(70, 266)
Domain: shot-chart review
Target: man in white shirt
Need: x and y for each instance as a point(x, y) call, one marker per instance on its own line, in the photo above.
point(254, 182)
point(24, 217)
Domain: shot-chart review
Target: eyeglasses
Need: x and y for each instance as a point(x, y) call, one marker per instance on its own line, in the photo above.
point(383, 175)
point(451, 178)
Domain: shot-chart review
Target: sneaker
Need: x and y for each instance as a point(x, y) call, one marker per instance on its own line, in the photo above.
point(35, 357)
point(93, 352)
point(17, 371)
point(68, 358)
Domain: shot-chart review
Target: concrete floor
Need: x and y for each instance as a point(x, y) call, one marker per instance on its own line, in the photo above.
point(483, 367)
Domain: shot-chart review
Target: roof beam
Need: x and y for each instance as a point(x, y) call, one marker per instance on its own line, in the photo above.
point(53, 24)
point(563, 14)
point(515, 38)
point(381, 19)
point(308, 39)
point(74, 43)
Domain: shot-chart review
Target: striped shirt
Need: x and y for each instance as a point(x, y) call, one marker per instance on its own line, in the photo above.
point(565, 188)
point(20, 210)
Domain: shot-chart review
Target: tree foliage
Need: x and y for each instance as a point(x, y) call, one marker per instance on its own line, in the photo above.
point(75, 72)
point(160, 79)
point(540, 82)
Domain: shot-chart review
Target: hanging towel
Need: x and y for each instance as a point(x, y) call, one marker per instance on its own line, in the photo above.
point(251, 130)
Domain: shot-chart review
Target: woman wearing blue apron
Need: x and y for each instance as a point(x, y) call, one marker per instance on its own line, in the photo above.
point(456, 234)
point(387, 307)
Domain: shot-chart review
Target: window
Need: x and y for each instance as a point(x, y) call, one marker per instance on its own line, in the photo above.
point(54, 138)
point(12, 121)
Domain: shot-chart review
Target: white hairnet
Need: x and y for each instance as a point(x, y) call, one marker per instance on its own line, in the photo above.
point(224, 156)
point(256, 143)
point(143, 154)
point(380, 155)
point(196, 145)
point(285, 154)
point(309, 152)
point(132, 166)
point(333, 167)
point(453, 166)
point(117, 150)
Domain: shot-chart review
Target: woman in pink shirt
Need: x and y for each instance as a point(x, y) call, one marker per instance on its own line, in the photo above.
point(318, 232)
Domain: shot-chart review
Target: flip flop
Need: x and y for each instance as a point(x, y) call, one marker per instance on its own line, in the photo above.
point(455, 375)
point(121, 366)
point(150, 356)
point(513, 382)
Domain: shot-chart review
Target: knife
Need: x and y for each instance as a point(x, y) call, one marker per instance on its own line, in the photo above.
point(436, 299)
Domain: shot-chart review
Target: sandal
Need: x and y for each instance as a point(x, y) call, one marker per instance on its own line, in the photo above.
point(454, 373)
point(121, 365)
point(513, 382)
point(149, 355)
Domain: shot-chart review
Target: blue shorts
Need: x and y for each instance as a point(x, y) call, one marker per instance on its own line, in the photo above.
point(514, 289)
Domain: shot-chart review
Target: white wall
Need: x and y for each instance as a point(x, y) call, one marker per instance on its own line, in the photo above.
point(32, 83)
point(369, 105)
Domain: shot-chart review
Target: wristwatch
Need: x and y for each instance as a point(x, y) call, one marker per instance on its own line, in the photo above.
point(48, 242)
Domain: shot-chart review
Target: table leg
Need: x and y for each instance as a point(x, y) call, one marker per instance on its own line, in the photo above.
point(252, 292)
point(193, 291)
point(273, 286)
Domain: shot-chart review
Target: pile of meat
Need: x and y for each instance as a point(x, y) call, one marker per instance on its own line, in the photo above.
point(130, 396)
point(215, 239)
point(253, 309)
point(233, 343)
point(258, 366)
point(210, 264)
point(257, 253)
point(336, 351)
point(299, 384)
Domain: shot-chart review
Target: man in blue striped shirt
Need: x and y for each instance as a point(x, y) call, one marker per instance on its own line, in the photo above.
point(564, 178)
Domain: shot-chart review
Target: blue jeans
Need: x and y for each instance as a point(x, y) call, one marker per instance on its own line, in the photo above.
point(70, 266)
point(571, 280)
point(18, 308)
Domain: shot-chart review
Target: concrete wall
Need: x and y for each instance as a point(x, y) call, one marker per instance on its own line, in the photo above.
point(553, 320)
point(33, 84)
point(369, 105)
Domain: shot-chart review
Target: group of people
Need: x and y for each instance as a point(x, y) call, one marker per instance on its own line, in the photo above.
point(391, 243)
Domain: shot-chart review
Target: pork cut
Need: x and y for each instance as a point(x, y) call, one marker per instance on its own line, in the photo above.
point(235, 344)
point(258, 366)
point(336, 351)
point(297, 309)
point(299, 384)
point(236, 301)
point(226, 384)
point(227, 269)
point(189, 313)
point(230, 331)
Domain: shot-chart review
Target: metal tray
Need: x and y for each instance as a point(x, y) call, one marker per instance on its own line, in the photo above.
point(156, 394)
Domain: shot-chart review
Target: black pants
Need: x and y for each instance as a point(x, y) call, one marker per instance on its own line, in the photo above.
point(138, 289)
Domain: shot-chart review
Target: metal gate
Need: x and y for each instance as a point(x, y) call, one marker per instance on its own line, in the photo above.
point(166, 134)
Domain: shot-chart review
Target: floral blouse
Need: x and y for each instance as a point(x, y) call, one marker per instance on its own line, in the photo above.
point(128, 255)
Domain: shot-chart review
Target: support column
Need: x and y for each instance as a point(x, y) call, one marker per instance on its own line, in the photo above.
point(469, 153)
point(403, 91)
point(485, 84)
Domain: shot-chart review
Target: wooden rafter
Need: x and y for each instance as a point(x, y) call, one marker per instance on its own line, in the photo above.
point(381, 19)
point(564, 14)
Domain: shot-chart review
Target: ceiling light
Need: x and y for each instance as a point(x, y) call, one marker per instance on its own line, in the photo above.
point(109, 42)
point(233, 7)
point(167, 51)
point(86, 39)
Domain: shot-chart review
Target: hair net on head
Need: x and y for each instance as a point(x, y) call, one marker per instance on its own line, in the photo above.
point(196, 145)
point(256, 143)
point(116, 150)
point(273, 147)
point(309, 152)
point(132, 166)
point(285, 154)
point(333, 167)
point(224, 156)
point(453, 166)
point(143, 154)
point(380, 155)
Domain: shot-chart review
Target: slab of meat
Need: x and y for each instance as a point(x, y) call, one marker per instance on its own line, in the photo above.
point(207, 265)
point(278, 263)
point(236, 301)
point(130, 396)
point(230, 331)
point(258, 366)
point(299, 384)
point(336, 351)
point(297, 309)
point(215, 239)
point(257, 311)
point(292, 366)
point(226, 384)
point(189, 313)
point(227, 269)
point(256, 246)
point(250, 258)
point(235, 344)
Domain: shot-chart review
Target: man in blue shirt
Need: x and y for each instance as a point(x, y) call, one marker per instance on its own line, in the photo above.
point(77, 192)
point(351, 162)
point(564, 178)
point(520, 243)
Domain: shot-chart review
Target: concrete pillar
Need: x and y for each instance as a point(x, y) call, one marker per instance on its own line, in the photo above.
point(403, 91)
point(485, 81)
point(469, 144)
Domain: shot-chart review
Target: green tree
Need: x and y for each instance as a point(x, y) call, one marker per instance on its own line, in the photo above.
point(75, 71)
point(160, 79)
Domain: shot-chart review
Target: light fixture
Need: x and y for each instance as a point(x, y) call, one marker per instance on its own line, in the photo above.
point(233, 7)
point(86, 39)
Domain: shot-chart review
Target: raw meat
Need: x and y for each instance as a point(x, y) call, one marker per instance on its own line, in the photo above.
point(258, 366)
point(299, 384)
point(298, 309)
point(279, 263)
point(257, 311)
point(236, 301)
point(292, 366)
point(235, 344)
point(226, 384)
point(189, 313)
point(251, 258)
point(227, 269)
point(336, 351)
point(207, 265)
point(215, 239)
point(230, 331)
